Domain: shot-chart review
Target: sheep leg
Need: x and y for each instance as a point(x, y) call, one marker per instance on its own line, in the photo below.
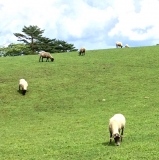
point(39, 59)
point(19, 87)
point(110, 137)
point(47, 59)
point(122, 132)
point(42, 59)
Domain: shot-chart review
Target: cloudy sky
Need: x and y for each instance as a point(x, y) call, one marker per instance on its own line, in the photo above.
point(90, 23)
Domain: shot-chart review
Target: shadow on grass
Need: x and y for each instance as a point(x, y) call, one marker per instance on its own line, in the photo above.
point(20, 92)
point(108, 144)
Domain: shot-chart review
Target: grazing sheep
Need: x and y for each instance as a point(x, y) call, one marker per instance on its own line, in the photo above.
point(126, 46)
point(46, 55)
point(23, 85)
point(117, 124)
point(119, 44)
point(82, 51)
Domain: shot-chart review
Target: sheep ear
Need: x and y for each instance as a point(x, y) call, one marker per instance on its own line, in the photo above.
point(118, 135)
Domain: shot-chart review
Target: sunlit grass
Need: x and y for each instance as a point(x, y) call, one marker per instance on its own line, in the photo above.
point(62, 116)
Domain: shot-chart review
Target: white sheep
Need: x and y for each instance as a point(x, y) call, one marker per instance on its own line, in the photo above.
point(46, 55)
point(23, 85)
point(126, 46)
point(117, 124)
point(119, 44)
point(82, 51)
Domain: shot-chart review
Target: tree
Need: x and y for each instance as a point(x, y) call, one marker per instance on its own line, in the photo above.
point(53, 45)
point(63, 46)
point(33, 38)
point(30, 36)
point(15, 49)
point(45, 44)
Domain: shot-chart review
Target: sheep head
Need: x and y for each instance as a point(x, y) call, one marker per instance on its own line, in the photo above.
point(116, 137)
point(52, 59)
point(23, 92)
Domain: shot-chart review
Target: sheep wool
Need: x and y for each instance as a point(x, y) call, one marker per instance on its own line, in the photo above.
point(82, 51)
point(46, 55)
point(126, 46)
point(23, 85)
point(119, 44)
point(117, 124)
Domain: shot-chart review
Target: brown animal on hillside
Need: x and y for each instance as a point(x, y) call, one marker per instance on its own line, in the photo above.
point(46, 55)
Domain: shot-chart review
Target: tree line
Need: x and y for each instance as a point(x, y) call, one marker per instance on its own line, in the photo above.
point(33, 42)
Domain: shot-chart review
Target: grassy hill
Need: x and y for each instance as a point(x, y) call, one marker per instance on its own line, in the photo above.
point(63, 115)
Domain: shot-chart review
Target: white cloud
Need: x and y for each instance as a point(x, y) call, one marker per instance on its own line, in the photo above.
point(138, 26)
point(90, 23)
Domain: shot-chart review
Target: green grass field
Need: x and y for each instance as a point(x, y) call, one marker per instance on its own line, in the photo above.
point(62, 116)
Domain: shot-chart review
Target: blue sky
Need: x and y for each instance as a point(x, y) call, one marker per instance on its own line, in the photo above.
point(85, 23)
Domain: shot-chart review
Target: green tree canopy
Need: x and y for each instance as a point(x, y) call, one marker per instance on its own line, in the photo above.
point(15, 49)
point(32, 37)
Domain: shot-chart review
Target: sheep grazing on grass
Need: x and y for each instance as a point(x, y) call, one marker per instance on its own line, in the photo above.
point(126, 46)
point(82, 51)
point(23, 85)
point(117, 124)
point(46, 55)
point(119, 44)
